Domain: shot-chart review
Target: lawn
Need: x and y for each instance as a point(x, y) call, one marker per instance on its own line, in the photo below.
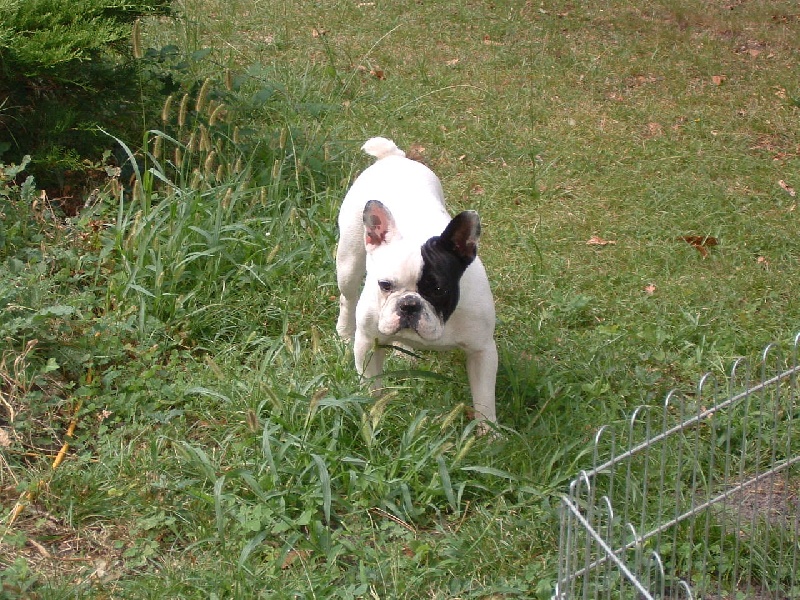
point(635, 167)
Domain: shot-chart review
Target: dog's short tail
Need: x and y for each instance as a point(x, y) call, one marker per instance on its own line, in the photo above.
point(381, 148)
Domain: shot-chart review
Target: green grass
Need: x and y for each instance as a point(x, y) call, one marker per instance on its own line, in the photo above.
point(223, 444)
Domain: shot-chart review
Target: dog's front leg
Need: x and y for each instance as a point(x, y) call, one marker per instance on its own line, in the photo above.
point(369, 360)
point(482, 374)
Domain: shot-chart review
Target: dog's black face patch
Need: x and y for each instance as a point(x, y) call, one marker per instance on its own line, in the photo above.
point(445, 258)
point(438, 283)
point(442, 269)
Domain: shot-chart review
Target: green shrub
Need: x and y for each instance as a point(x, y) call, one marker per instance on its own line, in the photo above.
point(50, 38)
point(65, 68)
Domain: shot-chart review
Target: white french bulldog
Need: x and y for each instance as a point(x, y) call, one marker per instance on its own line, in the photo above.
point(425, 287)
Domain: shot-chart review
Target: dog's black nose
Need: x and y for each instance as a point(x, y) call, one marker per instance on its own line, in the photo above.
point(409, 305)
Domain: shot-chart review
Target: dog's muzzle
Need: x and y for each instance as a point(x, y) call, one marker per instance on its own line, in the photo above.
point(409, 308)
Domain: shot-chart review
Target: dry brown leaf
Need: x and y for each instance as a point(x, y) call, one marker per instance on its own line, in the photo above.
point(451, 63)
point(488, 41)
point(318, 32)
point(787, 188)
point(719, 79)
point(598, 241)
point(700, 243)
point(654, 129)
point(416, 152)
point(5, 439)
point(292, 556)
point(640, 80)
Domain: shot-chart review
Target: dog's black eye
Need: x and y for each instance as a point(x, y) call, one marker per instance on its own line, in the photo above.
point(386, 286)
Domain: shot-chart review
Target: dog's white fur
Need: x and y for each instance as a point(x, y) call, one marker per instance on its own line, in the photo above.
point(413, 195)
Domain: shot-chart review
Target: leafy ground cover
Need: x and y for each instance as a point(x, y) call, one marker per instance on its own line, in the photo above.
point(635, 166)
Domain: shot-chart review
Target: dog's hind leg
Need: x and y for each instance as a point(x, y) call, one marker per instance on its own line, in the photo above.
point(350, 269)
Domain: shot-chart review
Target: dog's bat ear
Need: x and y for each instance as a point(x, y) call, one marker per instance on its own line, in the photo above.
point(463, 233)
point(379, 225)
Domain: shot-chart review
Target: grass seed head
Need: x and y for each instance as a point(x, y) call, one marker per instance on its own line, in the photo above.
point(202, 96)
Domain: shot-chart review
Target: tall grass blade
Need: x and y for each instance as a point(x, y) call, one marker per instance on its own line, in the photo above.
point(325, 485)
point(266, 450)
point(199, 459)
point(219, 507)
point(204, 391)
point(447, 485)
point(251, 545)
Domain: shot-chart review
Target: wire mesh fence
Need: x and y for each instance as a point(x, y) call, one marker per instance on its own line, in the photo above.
point(697, 498)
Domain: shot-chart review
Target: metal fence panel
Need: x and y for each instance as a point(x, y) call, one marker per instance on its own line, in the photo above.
point(696, 498)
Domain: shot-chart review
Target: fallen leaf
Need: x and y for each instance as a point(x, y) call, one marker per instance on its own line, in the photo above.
point(598, 241)
point(700, 243)
point(654, 129)
point(640, 80)
point(292, 556)
point(451, 63)
point(416, 152)
point(318, 32)
point(650, 289)
point(718, 79)
point(378, 73)
point(787, 188)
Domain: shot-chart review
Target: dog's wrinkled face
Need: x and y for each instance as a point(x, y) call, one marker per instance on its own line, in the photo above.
point(417, 287)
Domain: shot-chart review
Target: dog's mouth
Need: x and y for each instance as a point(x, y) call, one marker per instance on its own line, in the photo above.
point(418, 326)
point(409, 321)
